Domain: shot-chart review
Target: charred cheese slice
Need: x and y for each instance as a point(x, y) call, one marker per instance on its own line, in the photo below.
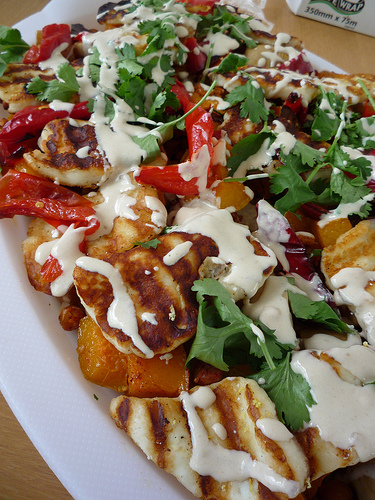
point(160, 427)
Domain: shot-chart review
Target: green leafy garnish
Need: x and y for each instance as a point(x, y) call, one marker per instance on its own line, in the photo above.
point(63, 88)
point(327, 116)
point(251, 97)
point(221, 321)
point(317, 311)
point(247, 147)
point(148, 244)
point(231, 63)
point(290, 392)
point(12, 47)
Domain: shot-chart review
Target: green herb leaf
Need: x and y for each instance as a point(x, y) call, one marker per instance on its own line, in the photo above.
point(252, 100)
point(220, 321)
point(290, 392)
point(231, 63)
point(148, 244)
point(63, 88)
point(12, 47)
point(247, 147)
point(317, 311)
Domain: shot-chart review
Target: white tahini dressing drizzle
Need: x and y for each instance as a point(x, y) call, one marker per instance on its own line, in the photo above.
point(247, 268)
point(274, 429)
point(66, 251)
point(349, 286)
point(210, 459)
point(121, 313)
point(177, 253)
point(344, 413)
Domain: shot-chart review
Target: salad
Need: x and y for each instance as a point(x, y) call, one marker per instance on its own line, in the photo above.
point(201, 206)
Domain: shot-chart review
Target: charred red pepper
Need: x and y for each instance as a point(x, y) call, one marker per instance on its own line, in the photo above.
point(51, 269)
point(274, 230)
point(53, 35)
point(199, 129)
point(31, 121)
point(25, 194)
point(295, 103)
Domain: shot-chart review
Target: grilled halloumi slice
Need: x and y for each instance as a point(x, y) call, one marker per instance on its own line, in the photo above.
point(69, 155)
point(349, 269)
point(279, 84)
point(158, 282)
point(161, 428)
point(13, 94)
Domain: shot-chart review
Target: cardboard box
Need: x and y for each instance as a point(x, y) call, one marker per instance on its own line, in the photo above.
point(353, 15)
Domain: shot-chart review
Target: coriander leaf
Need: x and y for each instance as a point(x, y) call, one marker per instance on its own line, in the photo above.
point(231, 63)
point(12, 47)
point(133, 93)
point(290, 392)
point(317, 311)
point(63, 88)
point(222, 319)
point(327, 119)
point(148, 244)
point(289, 181)
point(150, 144)
point(95, 65)
point(247, 147)
point(309, 156)
point(251, 97)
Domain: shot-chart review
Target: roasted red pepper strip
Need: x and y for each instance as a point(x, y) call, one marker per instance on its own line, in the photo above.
point(25, 194)
point(199, 129)
point(53, 35)
point(31, 121)
point(274, 230)
point(28, 121)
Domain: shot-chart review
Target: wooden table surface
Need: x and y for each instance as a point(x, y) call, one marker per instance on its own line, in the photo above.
point(354, 53)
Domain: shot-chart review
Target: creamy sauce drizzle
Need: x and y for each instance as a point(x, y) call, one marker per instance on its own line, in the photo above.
point(121, 313)
point(210, 459)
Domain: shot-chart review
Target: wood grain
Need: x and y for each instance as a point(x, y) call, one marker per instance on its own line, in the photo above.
point(23, 473)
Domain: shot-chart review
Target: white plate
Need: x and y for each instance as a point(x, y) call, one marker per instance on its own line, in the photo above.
point(39, 374)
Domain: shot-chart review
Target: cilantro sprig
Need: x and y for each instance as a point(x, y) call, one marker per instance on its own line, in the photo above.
point(251, 97)
point(290, 392)
point(12, 47)
point(62, 88)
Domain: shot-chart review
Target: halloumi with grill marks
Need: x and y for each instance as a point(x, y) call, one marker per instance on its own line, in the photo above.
point(159, 285)
point(160, 427)
point(69, 155)
point(13, 94)
point(281, 83)
point(340, 433)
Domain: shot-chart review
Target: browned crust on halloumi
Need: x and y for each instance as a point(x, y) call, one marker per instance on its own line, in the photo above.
point(159, 426)
point(154, 287)
point(57, 158)
point(13, 93)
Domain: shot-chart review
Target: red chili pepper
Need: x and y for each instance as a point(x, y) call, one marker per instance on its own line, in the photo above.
point(25, 194)
point(299, 64)
point(199, 129)
point(196, 59)
point(53, 35)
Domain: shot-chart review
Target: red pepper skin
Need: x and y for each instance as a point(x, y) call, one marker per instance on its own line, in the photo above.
point(294, 102)
point(199, 124)
point(80, 111)
point(53, 35)
point(51, 269)
point(199, 129)
point(196, 59)
point(28, 121)
point(25, 194)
